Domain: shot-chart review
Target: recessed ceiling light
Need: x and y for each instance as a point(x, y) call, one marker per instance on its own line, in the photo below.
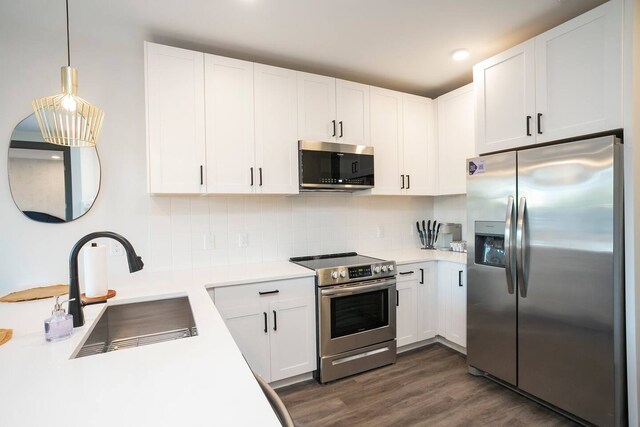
point(460, 54)
point(55, 157)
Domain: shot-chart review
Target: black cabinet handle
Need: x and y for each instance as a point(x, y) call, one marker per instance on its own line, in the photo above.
point(275, 321)
point(402, 273)
point(402, 182)
point(408, 182)
point(397, 298)
point(269, 292)
point(539, 123)
point(422, 276)
point(528, 125)
point(260, 171)
point(341, 130)
point(265, 321)
point(201, 175)
point(333, 123)
point(252, 177)
point(460, 278)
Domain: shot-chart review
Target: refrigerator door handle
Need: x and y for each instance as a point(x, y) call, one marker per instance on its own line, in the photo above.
point(521, 245)
point(508, 226)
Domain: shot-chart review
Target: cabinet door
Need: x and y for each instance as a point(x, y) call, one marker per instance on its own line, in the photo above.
point(505, 104)
point(175, 119)
point(386, 139)
point(249, 327)
point(292, 337)
point(352, 113)
point(316, 107)
point(456, 139)
point(229, 125)
point(406, 312)
point(579, 77)
point(443, 279)
point(457, 315)
point(417, 147)
point(276, 130)
point(427, 298)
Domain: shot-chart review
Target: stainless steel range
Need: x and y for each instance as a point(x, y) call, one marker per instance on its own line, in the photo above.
point(356, 313)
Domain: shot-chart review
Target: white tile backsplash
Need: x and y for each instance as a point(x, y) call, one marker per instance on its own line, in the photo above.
point(452, 209)
point(278, 227)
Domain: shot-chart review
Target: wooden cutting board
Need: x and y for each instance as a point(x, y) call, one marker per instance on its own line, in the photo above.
point(5, 335)
point(36, 293)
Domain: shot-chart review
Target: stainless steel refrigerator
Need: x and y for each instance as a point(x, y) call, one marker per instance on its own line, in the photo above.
point(545, 309)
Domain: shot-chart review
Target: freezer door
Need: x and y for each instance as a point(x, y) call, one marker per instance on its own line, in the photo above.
point(568, 280)
point(491, 300)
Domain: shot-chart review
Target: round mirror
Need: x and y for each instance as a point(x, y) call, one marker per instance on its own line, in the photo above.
point(51, 183)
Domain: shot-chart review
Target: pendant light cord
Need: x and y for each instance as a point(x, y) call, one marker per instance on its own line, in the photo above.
point(68, 45)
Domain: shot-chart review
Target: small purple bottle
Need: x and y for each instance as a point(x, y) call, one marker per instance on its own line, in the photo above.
point(60, 325)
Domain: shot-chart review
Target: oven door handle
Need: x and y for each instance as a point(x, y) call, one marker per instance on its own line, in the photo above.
point(358, 289)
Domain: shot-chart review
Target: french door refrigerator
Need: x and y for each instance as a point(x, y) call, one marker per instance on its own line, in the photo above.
point(545, 289)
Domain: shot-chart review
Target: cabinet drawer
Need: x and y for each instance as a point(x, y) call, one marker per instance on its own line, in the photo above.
point(408, 272)
point(242, 295)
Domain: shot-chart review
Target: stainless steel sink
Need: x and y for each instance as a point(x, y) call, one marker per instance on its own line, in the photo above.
point(133, 325)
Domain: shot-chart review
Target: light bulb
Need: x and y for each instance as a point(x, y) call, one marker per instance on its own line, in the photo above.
point(68, 103)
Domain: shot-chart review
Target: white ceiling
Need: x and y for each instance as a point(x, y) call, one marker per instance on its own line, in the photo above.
point(399, 44)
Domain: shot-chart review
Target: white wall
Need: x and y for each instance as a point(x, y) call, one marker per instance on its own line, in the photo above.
point(107, 49)
point(452, 209)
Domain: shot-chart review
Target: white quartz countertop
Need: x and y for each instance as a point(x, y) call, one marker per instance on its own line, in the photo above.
point(202, 380)
point(410, 256)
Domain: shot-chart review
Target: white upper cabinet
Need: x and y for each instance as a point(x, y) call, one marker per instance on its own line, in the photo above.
point(417, 145)
point(578, 76)
point(386, 139)
point(505, 103)
point(175, 120)
point(316, 107)
point(456, 139)
point(229, 125)
point(567, 82)
point(332, 110)
point(352, 113)
point(276, 130)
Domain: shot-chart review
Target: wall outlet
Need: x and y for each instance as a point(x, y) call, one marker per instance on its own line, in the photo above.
point(380, 232)
point(209, 241)
point(116, 249)
point(243, 240)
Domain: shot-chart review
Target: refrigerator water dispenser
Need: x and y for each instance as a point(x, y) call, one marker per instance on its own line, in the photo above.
point(489, 243)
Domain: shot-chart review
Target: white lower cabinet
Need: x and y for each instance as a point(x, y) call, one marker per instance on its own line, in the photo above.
point(416, 303)
point(452, 302)
point(273, 324)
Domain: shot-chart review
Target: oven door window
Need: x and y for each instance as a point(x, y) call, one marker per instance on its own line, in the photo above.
point(358, 313)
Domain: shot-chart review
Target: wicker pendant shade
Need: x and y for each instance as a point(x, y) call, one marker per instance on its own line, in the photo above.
point(67, 119)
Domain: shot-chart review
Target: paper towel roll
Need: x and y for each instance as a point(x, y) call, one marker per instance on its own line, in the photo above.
point(95, 271)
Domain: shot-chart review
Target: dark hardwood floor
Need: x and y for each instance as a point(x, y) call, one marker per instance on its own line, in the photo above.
point(426, 387)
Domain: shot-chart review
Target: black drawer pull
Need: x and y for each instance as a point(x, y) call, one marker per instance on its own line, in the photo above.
point(422, 276)
point(265, 321)
point(252, 177)
point(402, 182)
point(275, 321)
point(528, 125)
point(260, 170)
point(460, 278)
point(269, 292)
point(341, 130)
point(333, 122)
point(397, 298)
point(201, 175)
point(402, 273)
point(408, 182)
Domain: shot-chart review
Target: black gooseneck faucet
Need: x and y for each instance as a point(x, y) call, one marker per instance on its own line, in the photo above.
point(75, 304)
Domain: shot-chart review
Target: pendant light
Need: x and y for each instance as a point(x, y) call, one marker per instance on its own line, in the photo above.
point(66, 119)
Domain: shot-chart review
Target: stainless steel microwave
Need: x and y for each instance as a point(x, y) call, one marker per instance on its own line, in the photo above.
point(329, 166)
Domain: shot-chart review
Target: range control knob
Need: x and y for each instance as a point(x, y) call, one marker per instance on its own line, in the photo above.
point(334, 275)
point(391, 267)
point(384, 268)
point(343, 274)
point(376, 269)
